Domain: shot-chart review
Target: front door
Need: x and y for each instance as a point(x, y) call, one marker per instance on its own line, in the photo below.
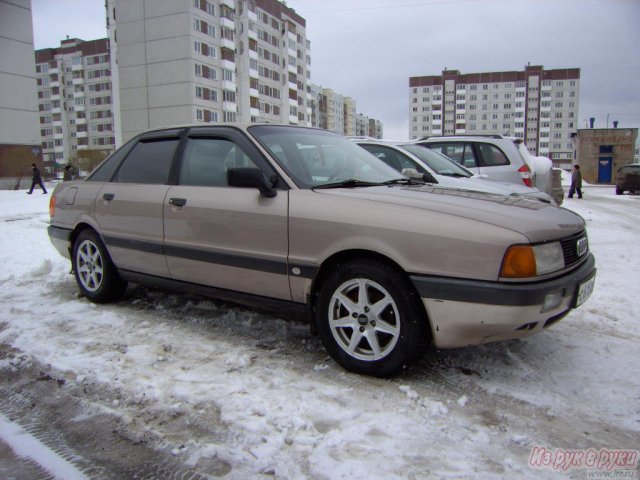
point(221, 236)
point(605, 166)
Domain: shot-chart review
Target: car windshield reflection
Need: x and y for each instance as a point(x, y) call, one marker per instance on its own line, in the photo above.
point(315, 158)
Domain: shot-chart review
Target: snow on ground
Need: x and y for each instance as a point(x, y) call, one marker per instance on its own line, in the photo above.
point(254, 390)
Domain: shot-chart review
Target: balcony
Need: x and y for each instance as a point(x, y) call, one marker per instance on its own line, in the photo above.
point(79, 108)
point(293, 119)
point(82, 134)
point(254, 112)
point(57, 123)
point(77, 68)
point(77, 81)
point(292, 69)
point(56, 110)
point(83, 147)
point(225, 22)
point(229, 3)
point(58, 148)
point(58, 136)
point(253, 73)
point(229, 107)
point(227, 85)
point(228, 65)
point(460, 131)
point(226, 43)
point(54, 83)
point(253, 16)
point(252, 34)
point(81, 121)
point(253, 92)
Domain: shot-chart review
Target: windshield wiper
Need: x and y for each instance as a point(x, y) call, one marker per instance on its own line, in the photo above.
point(456, 175)
point(402, 181)
point(349, 183)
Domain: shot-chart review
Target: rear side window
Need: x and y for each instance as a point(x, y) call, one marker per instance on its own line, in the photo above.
point(148, 162)
point(492, 156)
point(206, 160)
point(105, 171)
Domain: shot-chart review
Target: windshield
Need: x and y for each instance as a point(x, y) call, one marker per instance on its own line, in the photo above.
point(439, 163)
point(314, 158)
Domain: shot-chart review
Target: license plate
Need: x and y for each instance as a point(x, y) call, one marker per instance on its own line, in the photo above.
point(585, 289)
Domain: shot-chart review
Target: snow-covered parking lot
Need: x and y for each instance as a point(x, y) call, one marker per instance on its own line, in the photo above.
point(231, 392)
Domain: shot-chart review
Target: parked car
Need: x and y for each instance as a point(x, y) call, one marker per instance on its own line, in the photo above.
point(284, 216)
point(495, 156)
point(628, 179)
point(434, 167)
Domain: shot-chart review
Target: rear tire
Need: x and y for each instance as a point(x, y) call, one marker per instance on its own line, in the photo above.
point(95, 273)
point(370, 318)
point(619, 191)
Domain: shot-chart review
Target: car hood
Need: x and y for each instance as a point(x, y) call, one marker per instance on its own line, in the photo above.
point(538, 221)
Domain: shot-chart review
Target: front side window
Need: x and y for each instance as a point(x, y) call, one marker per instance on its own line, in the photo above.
point(206, 160)
point(396, 160)
point(461, 153)
point(149, 163)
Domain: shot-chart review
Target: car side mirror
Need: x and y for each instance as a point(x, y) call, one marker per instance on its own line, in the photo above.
point(250, 178)
point(415, 174)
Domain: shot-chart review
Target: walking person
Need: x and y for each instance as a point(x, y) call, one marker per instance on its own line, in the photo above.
point(576, 182)
point(36, 180)
point(68, 174)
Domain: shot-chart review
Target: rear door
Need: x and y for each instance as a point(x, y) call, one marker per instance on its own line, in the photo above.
point(129, 207)
point(221, 236)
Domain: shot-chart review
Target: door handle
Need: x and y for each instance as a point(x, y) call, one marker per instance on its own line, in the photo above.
point(108, 196)
point(178, 202)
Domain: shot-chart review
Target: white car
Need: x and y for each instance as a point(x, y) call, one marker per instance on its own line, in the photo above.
point(435, 167)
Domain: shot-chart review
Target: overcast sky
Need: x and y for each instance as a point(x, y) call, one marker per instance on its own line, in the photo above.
point(368, 49)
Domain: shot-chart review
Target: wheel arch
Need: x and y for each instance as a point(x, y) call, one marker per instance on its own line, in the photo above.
point(351, 255)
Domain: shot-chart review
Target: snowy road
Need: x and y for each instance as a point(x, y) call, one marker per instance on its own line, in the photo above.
point(203, 388)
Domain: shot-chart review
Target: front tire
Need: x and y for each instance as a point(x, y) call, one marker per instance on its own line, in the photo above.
point(95, 273)
point(370, 318)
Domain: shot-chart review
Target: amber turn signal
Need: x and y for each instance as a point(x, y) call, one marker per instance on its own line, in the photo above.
point(52, 206)
point(519, 262)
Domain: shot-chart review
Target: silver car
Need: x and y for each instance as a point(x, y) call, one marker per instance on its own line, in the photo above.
point(435, 168)
point(495, 156)
point(290, 217)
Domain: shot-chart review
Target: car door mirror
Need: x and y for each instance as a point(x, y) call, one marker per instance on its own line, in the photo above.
point(415, 174)
point(250, 178)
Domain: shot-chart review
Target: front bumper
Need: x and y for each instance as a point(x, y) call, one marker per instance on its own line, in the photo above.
point(469, 312)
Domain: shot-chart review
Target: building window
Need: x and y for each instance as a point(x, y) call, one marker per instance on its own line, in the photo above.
point(606, 148)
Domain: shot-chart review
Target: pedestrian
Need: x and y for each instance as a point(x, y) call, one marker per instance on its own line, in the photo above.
point(576, 182)
point(68, 174)
point(36, 180)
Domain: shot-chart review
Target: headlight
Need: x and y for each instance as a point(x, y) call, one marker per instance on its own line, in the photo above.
point(549, 257)
point(523, 261)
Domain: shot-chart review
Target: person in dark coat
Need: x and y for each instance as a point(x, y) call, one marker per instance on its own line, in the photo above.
point(36, 180)
point(68, 174)
point(576, 182)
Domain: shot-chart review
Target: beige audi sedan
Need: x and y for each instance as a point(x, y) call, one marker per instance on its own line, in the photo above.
point(284, 216)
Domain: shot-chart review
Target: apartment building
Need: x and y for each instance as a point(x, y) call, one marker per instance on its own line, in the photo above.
point(75, 103)
point(207, 61)
point(540, 106)
point(19, 135)
point(338, 113)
